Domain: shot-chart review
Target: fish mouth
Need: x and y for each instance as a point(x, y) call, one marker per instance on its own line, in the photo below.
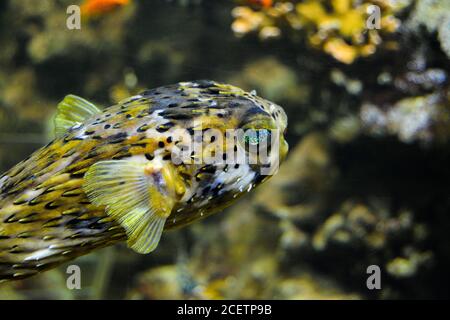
point(284, 149)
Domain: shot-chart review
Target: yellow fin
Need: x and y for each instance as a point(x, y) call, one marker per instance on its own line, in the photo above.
point(132, 198)
point(71, 111)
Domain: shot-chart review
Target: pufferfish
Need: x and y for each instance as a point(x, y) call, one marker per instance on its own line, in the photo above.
point(109, 175)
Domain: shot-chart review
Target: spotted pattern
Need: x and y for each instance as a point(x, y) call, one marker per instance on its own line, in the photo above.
point(45, 216)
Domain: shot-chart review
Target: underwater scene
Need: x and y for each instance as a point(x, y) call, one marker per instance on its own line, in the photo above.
point(349, 98)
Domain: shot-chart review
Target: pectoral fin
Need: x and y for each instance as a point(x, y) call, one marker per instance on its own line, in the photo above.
point(132, 196)
point(71, 111)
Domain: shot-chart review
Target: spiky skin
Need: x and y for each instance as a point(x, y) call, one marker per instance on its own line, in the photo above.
point(47, 219)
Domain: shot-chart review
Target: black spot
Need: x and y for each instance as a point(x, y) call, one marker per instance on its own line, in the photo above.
point(169, 139)
point(117, 138)
point(92, 154)
point(76, 175)
point(177, 116)
point(190, 106)
point(206, 190)
point(53, 223)
point(70, 193)
point(121, 156)
point(69, 153)
point(46, 146)
point(28, 218)
point(107, 126)
point(167, 157)
point(252, 111)
point(208, 169)
point(129, 116)
point(161, 144)
point(19, 202)
point(172, 105)
point(236, 166)
point(142, 128)
point(213, 138)
point(67, 139)
point(34, 201)
point(258, 178)
point(164, 127)
point(10, 219)
point(51, 205)
point(149, 156)
point(213, 91)
point(141, 144)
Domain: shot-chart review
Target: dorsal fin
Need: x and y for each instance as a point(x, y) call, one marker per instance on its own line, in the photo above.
point(73, 110)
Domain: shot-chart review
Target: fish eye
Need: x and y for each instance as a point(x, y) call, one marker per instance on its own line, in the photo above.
point(254, 137)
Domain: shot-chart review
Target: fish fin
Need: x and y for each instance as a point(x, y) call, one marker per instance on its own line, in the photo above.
point(72, 110)
point(132, 198)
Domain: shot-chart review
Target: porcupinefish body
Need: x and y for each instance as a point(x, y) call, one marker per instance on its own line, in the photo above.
point(110, 174)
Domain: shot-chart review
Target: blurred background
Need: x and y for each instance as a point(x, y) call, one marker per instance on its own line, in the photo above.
point(367, 178)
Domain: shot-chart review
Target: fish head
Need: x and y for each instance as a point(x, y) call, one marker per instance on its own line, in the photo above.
point(237, 141)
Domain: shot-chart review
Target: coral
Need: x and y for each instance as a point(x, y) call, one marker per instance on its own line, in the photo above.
point(341, 28)
point(419, 118)
point(444, 35)
point(429, 13)
point(435, 16)
point(401, 267)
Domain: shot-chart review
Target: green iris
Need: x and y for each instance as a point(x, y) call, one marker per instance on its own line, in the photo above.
point(254, 137)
